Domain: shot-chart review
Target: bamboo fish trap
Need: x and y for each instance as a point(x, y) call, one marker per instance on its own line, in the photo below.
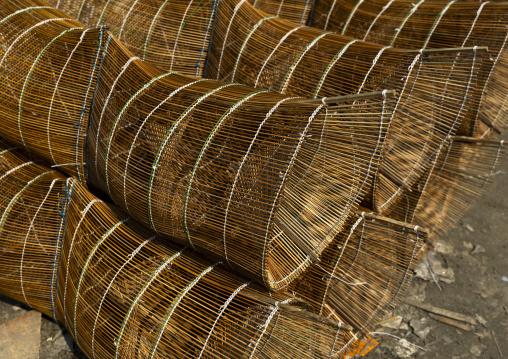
point(122, 292)
point(48, 70)
point(259, 179)
point(174, 34)
point(435, 24)
point(365, 272)
point(436, 88)
point(462, 174)
point(198, 159)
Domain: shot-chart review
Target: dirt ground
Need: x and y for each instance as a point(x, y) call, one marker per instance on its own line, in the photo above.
point(473, 260)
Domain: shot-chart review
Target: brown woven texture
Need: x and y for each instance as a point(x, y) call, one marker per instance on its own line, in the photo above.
point(174, 34)
point(267, 184)
point(123, 292)
point(30, 230)
point(232, 171)
point(365, 272)
point(297, 11)
point(459, 178)
point(235, 172)
point(47, 72)
point(435, 24)
point(436, 88)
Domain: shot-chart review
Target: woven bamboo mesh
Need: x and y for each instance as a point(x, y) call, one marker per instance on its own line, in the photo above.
point(122, 292)
point(257, 181)
point(47, 72)
point(30, 230)
point(365, 271)
point(433, 24)
point(296, 11)
point(462, 174)
point(235, 172)
point(436, 87)
point(174, 34)
point(185, 169)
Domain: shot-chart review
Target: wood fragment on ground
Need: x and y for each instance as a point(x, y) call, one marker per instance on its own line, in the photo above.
point(442, 312)
point(452, 322)
point(20, 338)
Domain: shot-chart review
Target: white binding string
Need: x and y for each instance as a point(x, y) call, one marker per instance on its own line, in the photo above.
point(125, 19)
point(105, 106)
point(175, 304)
point(302, 136)
point(30, 227)
point(55, 91)
point(170, 132)
point(410, 13)
point(351, 14)
point(227, 34)
point(178, 34)
point(376, 18)
point(223, 308)
point(201, 154)
point(274, 50)
point(130, 257)
point(83, 214)
point(351, 231)
point(139, 131)
point(140, 294)
point(275, 308)
point(85, 266)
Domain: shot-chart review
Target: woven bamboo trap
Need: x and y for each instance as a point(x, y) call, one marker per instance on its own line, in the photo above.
point(435, 24)
point(122, 292)
point(47, 69)
point(436, 87)
point(265, 183)
point(237, 55)
point(197, 159)
point(174, 34)
point(232, 171)
point(461, 175)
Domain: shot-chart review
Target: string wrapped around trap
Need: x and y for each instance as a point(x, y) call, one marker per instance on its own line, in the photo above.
point(31, 230)
point(435, 24)
point(438, 89)
point(296, 11)
point(121, 291)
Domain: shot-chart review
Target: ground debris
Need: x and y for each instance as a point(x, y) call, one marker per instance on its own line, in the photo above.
point(405, 349)
point(391, 323)
point(20, 337)
point(476, 350)
point(420, 328)
point(478, 248)
point(442, 312)
point(431, 268)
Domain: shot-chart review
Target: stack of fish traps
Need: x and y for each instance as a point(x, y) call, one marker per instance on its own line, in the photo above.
point(215, 179)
